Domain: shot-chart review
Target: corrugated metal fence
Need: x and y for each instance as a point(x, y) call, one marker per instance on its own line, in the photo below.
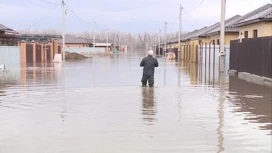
point(10, 56)
point(252, 55)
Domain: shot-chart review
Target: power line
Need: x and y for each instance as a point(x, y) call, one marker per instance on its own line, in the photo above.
point(81, 19)
point(197, 6)
point(75, 15)
point(189, 18)
point(250, 4)
point(43, 18)
point(32, 2)
point(50, 2)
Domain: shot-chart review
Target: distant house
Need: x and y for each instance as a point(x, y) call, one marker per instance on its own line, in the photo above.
point(209, 34)
point(8, 37)
point(257, 23)
point(79, 42)
point(72, 41)
point(98, 43)
point(205, 35)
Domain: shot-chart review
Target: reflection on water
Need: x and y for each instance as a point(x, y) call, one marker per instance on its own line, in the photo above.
point(45, 73)
point(99, 106)
point(221, 100)
point(253, 100)
point(148, 110)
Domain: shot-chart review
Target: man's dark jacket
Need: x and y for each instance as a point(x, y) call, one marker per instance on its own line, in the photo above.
point(149, 63)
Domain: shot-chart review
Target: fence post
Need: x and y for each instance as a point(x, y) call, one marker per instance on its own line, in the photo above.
point(45, 52)
point(23, 62)
point(213, 61)
point(196, 53)
point(209, 61)
point(34, 52)
point(205, 60)
point(51, 52)
point(42, 53)
point(23, 52)
point(55, 47)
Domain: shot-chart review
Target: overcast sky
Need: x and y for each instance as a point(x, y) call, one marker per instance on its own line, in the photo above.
point(120, 15)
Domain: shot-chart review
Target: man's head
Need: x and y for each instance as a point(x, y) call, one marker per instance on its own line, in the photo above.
point(150, 52)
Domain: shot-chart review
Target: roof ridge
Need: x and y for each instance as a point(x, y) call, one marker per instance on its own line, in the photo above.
point(267, 14)
point(260, 9)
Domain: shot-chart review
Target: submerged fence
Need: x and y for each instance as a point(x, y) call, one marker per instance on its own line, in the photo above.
point(252, 55)
point(209, 62)
point(10, 57)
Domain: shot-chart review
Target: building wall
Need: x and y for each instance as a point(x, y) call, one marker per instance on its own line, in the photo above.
point(205, 40)
point(192, 55)
point(264, 29)
point(216, 38)
point(230, 37)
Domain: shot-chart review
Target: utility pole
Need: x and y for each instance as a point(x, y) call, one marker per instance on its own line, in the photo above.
point(179, 44)
point(107, 41)
point(159, 41)
point(165, 30)
point(119, 42)
point(63, 30)
point(155, 43)
point(222, 28)
point(114, 35)
point(222, 38)
point(180, 30)
point(94, 36)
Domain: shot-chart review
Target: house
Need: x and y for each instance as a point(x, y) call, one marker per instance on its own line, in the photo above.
point(205, 35)
point(251, 55)
point(257, 23)
point(79, 42)
point(8, 37)
point(72, 41)
point(231, 33)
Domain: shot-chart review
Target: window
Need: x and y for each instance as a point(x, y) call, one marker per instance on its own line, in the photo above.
point(218, 42)
point(246, 34)
point(255, 33)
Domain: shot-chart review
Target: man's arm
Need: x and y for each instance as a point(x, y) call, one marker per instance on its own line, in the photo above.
point(156, 63)
point(142, 63)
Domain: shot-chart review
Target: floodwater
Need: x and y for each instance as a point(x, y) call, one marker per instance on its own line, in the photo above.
point(99, 106)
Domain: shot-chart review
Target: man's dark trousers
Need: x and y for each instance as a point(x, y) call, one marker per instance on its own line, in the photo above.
point(149, 78)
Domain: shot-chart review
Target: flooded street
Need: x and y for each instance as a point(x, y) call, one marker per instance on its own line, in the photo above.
point(98, 105)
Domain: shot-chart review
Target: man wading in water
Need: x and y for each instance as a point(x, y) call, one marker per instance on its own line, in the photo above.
point(149, 63)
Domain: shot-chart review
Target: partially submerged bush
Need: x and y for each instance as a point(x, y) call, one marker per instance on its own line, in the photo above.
point(74, 56)
point(5, 78)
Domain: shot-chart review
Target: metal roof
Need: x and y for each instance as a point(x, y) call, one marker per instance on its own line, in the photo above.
point(228, 24)
point(264, 12)
point(268, 15)
point(41, 38)
point(260, 14)
point(210, 30)
point(203, 31)
point(69, 39)
point(8, 31)
point(90, 41)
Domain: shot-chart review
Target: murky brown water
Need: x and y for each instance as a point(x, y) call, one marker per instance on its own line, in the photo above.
point(98, 106)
